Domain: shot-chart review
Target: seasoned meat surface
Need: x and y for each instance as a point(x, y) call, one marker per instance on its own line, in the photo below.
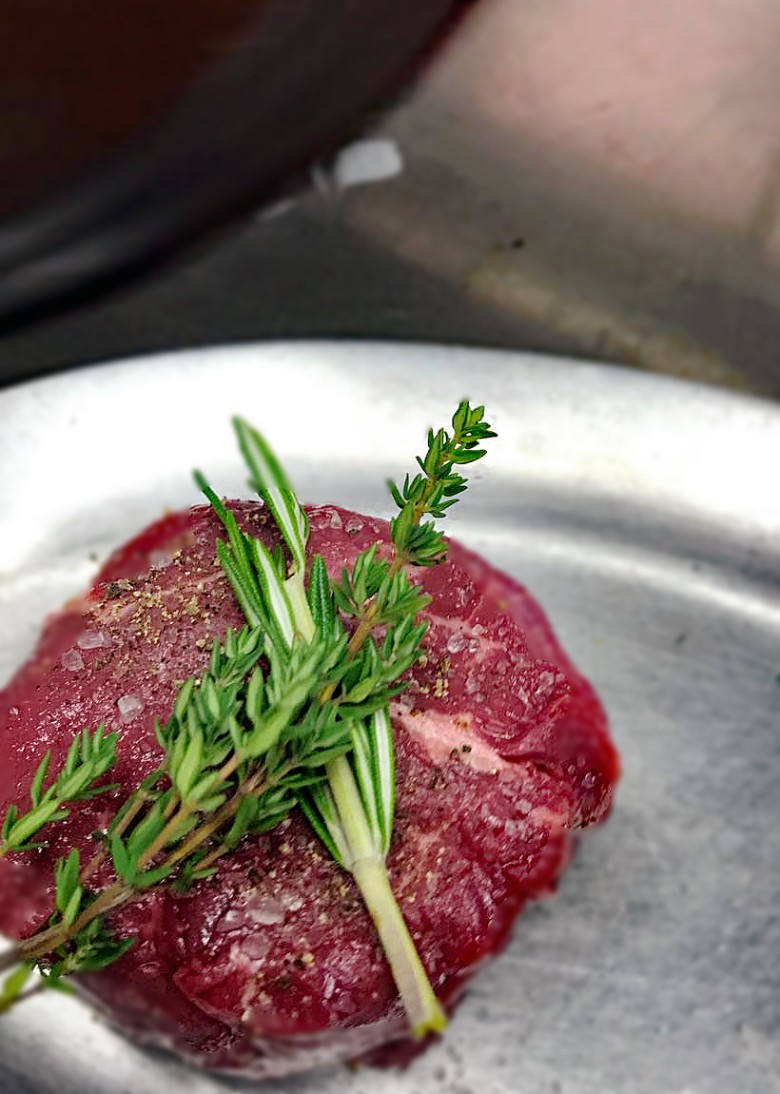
point(272, 966)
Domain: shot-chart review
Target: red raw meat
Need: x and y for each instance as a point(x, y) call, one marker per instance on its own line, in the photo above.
point(273, 966)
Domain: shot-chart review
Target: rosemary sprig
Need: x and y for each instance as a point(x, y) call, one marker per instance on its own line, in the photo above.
point(352, 811)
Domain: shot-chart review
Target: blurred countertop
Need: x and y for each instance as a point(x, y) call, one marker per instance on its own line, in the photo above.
point(597, 180)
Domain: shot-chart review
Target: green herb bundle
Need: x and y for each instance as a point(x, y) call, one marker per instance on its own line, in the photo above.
point(292, 711)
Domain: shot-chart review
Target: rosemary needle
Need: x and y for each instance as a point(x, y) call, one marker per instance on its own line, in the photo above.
point(352, 809)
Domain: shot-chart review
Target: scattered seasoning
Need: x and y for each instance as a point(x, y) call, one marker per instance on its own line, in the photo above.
point(441, 688)
point(437, 779)
point(441, 685)
point(116, 588)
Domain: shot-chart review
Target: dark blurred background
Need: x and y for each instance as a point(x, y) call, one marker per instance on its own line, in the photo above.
point(600, 183)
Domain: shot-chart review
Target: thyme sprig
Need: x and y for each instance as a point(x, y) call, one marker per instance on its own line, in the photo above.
point(416, 541)
point(239, 744)
point(436, 487)
point(90, 756)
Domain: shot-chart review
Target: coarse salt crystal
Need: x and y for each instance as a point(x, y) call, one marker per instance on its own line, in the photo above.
point(266, 912)
point(255, 947)
point(72, 661)
point(93, 640)
point(160, 559)
point(230, 921)
point(129, 706)
point(472, 684)
point(456, 642)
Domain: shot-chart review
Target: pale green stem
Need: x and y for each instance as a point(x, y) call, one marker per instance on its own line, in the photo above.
point(351, 812)
point(369, 870)
point(423, 1009)
point(367, 866)
point(296, 593)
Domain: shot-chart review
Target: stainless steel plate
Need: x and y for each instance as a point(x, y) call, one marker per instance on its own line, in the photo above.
point(645, 514)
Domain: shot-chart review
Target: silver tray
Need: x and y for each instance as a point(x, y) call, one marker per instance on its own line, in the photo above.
point(645, 514)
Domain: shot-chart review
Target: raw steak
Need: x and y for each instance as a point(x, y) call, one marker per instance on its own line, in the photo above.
point(273, 966)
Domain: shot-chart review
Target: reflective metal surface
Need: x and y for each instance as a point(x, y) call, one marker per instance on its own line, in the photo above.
point(645, 514)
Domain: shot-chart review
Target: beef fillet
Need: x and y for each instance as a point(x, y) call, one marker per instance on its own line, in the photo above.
point(273, 966)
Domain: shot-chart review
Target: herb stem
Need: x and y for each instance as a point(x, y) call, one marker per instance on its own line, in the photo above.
point(364, 629)
point(366, 860)
point(368, 868)
point(9, 960)
point(107, 901)
point(368, 622)
point(170, 809)
point(213, 856)
point(425, 1013)
point(46, 942)
point(205, 832)
point(296, 592)
point(177, 813)
point(49, 940)
point(140, 799)
point(350, 807)
point(179, 817)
